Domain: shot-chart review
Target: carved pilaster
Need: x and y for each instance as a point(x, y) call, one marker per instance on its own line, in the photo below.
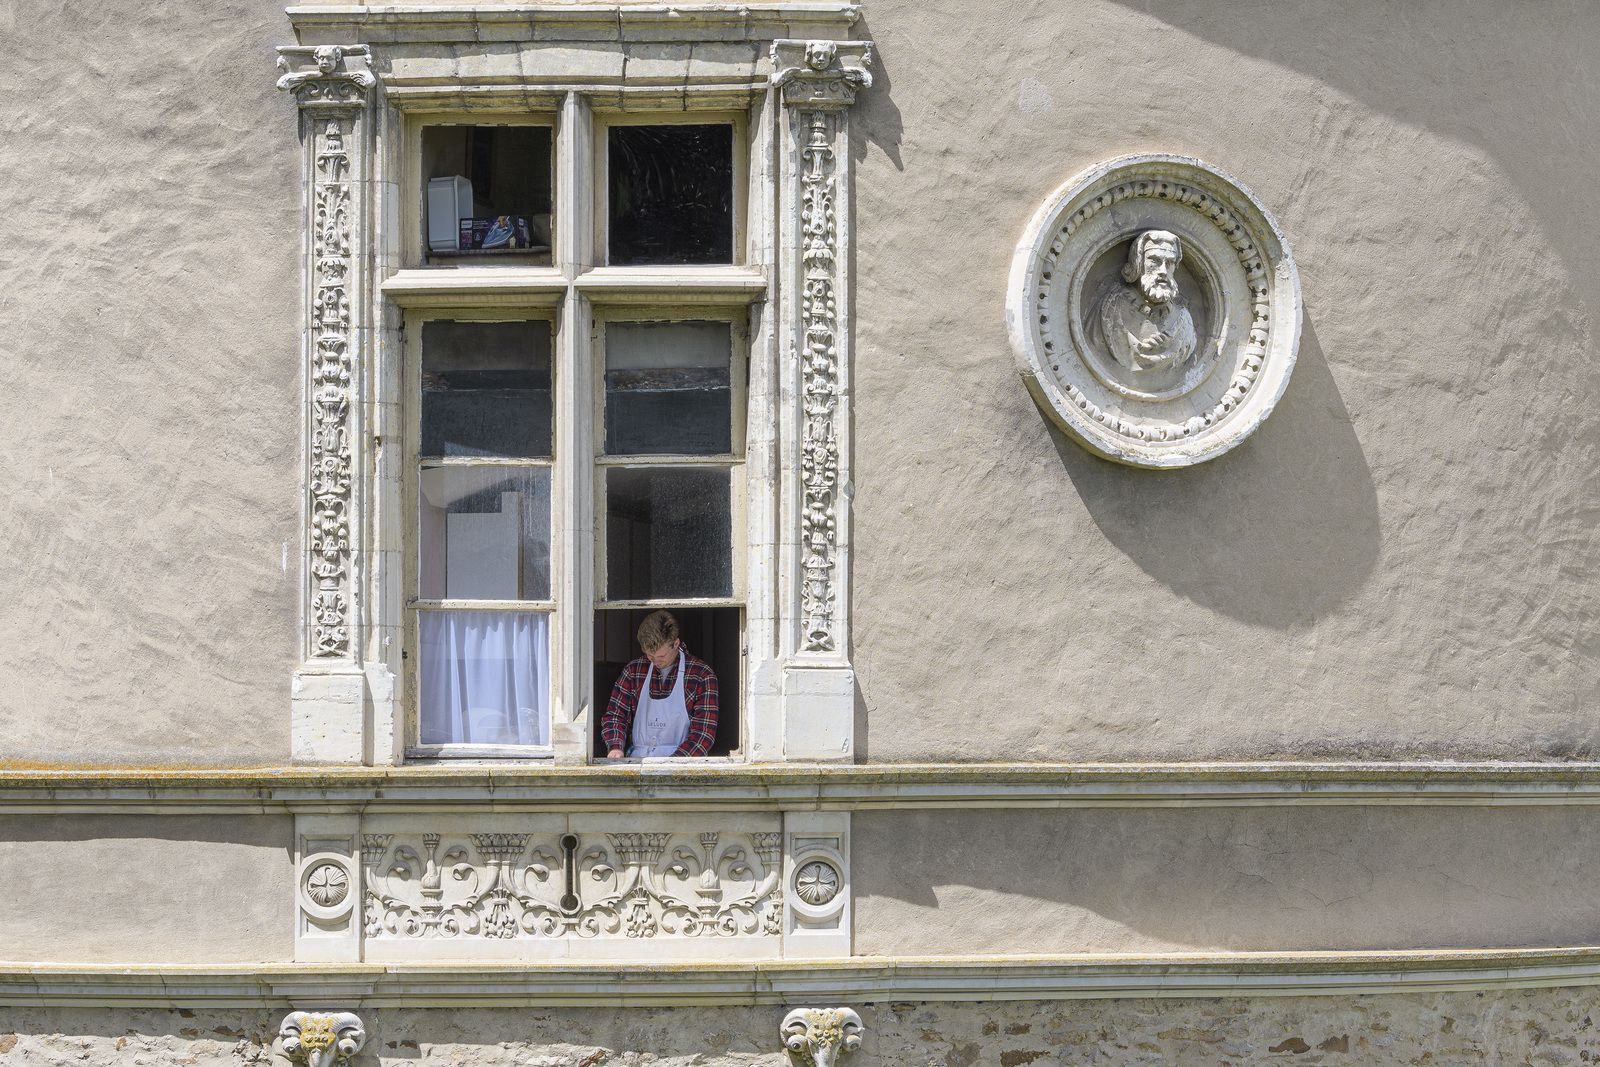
point(818, 1037)
point(321, 1040)
point(818, 81)
point(333, 86)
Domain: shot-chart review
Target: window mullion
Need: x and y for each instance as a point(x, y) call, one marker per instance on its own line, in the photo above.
point(574, 460)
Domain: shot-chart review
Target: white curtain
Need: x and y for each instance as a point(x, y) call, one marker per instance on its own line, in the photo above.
point(485, 678)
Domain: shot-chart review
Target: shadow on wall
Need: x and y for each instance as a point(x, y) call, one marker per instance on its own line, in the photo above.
point(1428, 64)
point(877, 120)
point(1277, 532)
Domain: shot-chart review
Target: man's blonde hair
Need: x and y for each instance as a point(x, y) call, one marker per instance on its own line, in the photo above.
point(659, 628)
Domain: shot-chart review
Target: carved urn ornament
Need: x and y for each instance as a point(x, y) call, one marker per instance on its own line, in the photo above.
point(817, 1037)
point(1154, 310)
point(319, 1040)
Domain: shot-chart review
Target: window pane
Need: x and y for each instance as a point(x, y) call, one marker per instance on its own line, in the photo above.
point(485, 388)
point(667, 388)
point(487, 190)
point(669, 533)
point(485, 533)
point(671, 193)
point(485, 678)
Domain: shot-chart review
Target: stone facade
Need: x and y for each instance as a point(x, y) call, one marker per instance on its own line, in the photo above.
point(1464, 1029)
point(1030, 737)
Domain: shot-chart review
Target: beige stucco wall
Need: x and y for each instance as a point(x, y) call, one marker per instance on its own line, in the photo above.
point(150, 290)
point(1400, 563)
point(1225, 879)
point(1397, 565)
point(1547, 1026)
point(140, 889)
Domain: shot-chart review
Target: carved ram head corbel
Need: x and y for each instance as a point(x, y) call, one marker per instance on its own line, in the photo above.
point(319, 1040)
point(817, 1037)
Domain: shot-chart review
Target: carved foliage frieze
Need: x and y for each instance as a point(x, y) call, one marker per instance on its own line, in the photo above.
point(331, 84)
point(499, 886)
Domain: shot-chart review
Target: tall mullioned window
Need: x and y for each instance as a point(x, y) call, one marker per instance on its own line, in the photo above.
point(576, 417)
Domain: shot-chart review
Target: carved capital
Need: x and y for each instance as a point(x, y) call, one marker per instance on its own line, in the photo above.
point(821, 74)
point(321, 1040)
point(327, 75)
point(817, 1037)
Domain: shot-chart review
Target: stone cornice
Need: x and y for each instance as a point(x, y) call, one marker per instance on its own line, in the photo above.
point(855, 981)
point(544, 787)
point(598, 22)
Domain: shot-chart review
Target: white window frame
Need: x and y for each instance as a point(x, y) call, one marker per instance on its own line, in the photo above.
point(363, 194)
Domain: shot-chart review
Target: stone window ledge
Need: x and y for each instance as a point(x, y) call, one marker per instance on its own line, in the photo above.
point(787, 787)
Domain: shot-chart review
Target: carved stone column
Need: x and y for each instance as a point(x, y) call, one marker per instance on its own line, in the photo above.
point(819, 81)
point(818, 1037)
point(333, 86)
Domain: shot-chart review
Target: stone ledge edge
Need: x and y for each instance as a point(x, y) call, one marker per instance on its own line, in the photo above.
point(306, 789)
point(863, 980)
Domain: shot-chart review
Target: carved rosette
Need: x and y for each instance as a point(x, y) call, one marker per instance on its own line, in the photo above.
point(818, 1037)
point(321, 1040)
point(819, 80)
point(332, 85)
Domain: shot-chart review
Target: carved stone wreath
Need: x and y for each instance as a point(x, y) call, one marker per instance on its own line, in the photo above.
point(1137, 374)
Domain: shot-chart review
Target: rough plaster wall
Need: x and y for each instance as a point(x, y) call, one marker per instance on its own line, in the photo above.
point(132, 889)
point(1224, 879)
point(149, 293)
point(1400, 563)
point(1546, 1026)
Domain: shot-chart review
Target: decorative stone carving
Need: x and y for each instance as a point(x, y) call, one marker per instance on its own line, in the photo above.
point(817, 882)
point(819, 79)
point(502, 886)
point(1154, 310)
point(332, 84)
point(818, 1037)
point(319, 1040)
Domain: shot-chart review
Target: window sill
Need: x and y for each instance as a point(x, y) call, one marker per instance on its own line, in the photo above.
point(479, 752)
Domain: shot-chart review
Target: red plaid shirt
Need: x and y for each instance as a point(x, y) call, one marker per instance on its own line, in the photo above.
point(699, 696)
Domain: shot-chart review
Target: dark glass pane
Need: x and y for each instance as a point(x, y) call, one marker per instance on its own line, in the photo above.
point(485, 533)
point(667, 389)
point(487, 190)
point(671, 194)
point(485, 388)
point(669, 533)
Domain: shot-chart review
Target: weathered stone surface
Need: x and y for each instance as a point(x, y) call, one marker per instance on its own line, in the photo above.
point(1531, 1026)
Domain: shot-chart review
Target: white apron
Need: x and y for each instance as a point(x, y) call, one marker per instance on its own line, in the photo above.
point(660, 726)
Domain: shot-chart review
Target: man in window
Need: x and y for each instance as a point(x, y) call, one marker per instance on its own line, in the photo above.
point(665, 702)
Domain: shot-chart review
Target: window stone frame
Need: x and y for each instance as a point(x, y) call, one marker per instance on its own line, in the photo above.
point(348, 702)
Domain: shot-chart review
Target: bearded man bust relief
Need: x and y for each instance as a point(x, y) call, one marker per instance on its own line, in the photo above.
point(1144, 324)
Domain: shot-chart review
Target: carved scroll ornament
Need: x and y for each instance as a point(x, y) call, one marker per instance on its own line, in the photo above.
point(319, 1040)
point(498, 886)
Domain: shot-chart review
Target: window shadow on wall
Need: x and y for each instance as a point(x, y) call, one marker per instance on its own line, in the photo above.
point(1276, 533)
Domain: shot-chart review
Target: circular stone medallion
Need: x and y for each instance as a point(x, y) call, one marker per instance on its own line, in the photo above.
point(1154, 310)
